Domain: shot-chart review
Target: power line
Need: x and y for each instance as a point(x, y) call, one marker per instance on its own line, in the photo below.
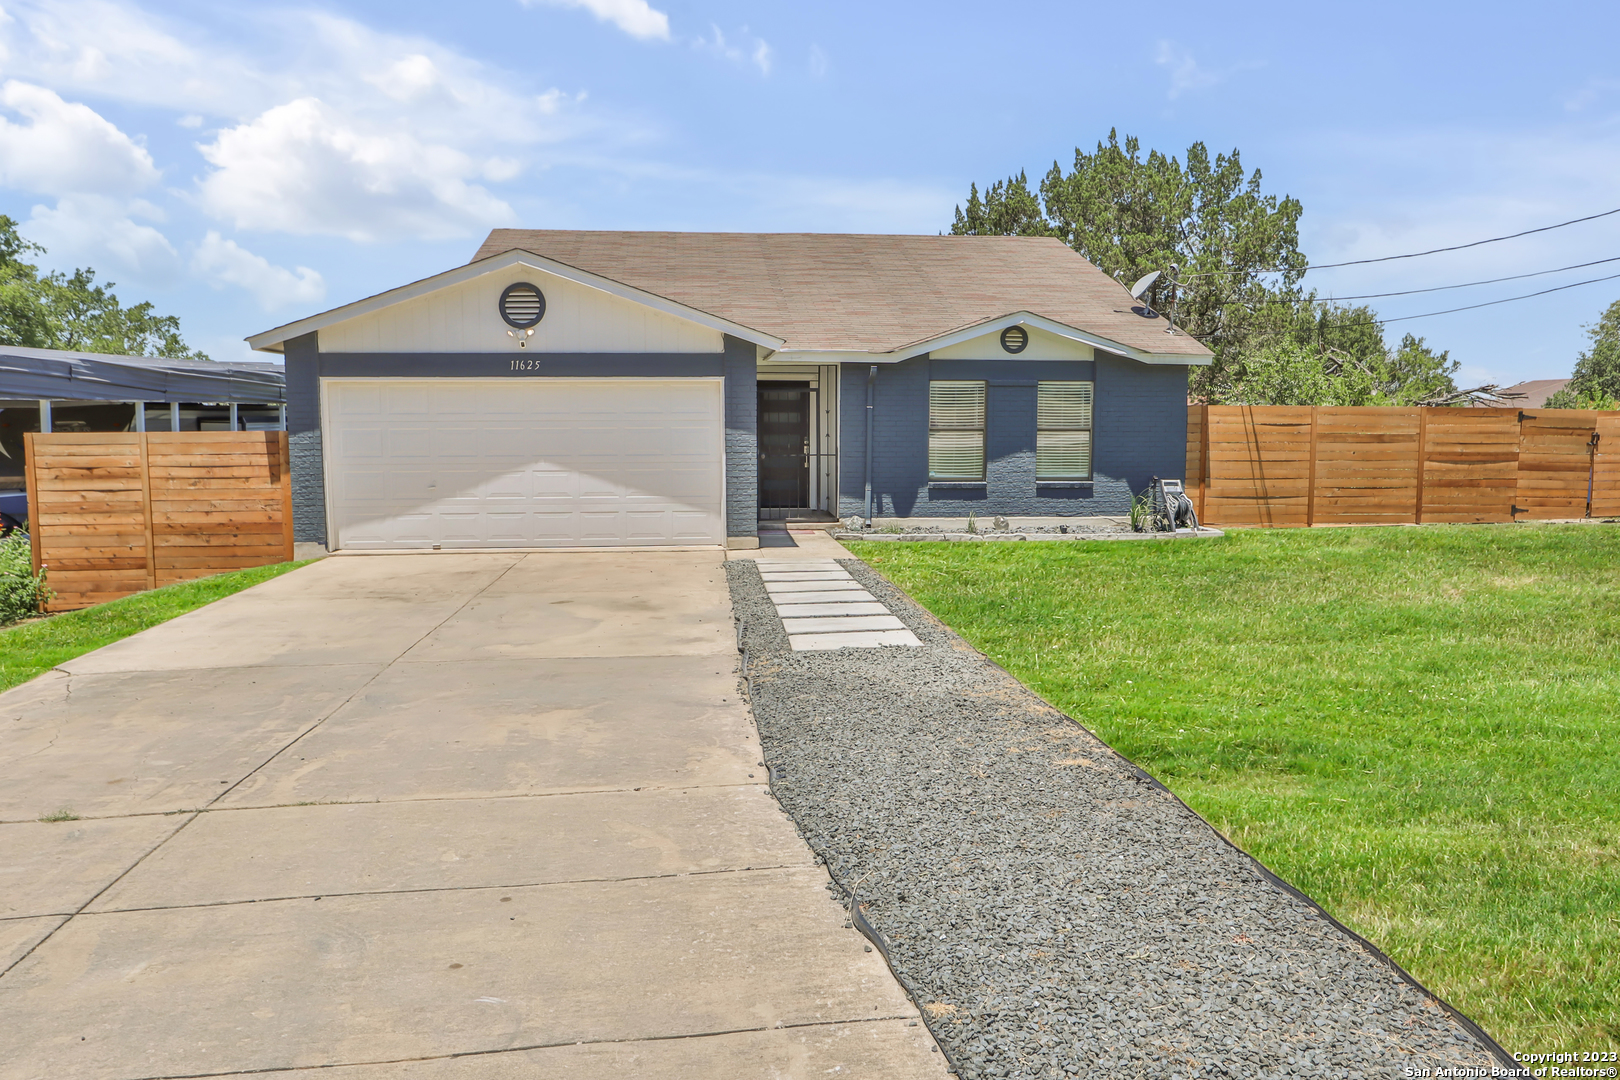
point(1476, 243)
point(1417, 254)
point(1466, 284)
point(1506, 300)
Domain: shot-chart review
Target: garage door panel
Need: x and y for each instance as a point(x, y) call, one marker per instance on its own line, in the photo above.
point(475, 463)
point(361, 443)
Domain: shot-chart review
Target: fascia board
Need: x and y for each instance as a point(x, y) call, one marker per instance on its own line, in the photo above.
point(272, 340)
point(830, 356)
point(1051, 326)
point(989, 326)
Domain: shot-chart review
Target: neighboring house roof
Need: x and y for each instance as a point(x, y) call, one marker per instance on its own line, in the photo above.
point(1535, 391)
point(77, 376)
point(867, 294)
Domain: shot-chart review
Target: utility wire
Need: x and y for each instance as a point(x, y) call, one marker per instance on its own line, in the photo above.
point(1418, 254)
point(1464, 285)
point(1507, 300)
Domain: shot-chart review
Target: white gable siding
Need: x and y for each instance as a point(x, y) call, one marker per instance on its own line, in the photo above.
point(1043, 345)
point(465, 318)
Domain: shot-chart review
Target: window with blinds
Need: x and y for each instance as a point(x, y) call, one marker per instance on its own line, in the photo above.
point(956, 431)
point(1063, 431)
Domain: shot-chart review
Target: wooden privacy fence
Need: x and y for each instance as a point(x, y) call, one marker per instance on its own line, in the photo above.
point(113, 514)
point(1300, 465)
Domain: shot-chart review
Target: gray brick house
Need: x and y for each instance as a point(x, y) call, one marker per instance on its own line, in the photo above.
point(578, 389)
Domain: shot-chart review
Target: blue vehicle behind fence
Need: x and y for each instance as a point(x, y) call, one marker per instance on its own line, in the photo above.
point(13, 510)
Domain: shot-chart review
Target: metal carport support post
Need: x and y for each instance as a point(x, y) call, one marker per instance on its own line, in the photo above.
point(45, 416)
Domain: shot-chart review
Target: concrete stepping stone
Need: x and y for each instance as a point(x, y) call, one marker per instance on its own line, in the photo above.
point(794, 599)
point(865, 639)
point(822, 607)
point(841, 624)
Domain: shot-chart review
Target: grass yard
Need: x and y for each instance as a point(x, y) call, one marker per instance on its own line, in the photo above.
point(30, 648)
point(1418, 727)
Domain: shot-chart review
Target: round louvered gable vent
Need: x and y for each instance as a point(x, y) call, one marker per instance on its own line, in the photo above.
point(523, 305)
point(1014, 338)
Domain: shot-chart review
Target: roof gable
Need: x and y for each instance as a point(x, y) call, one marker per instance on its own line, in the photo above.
point(364, 324)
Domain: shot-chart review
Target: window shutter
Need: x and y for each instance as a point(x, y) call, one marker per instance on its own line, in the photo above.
point(1063, 431)
point(956, 431)
point(1063, 455)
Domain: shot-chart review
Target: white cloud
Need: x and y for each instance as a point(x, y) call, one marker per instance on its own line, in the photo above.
point(754, 50)
point(63, 147)
point(118, 50)
point(100, 231)
point(224, 262)
point(1185, 73)
point(818, 62)
point(635, 17)
point(1592, 92)
point(68, 150)
point(304, 168)
point(358, 132)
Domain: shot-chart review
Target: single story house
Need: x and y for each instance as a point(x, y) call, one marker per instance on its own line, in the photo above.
point(571, 388)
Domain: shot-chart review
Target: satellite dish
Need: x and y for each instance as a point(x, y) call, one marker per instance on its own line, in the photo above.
point(1143, 284)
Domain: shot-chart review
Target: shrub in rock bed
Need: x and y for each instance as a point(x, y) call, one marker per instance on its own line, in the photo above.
point(22, 592)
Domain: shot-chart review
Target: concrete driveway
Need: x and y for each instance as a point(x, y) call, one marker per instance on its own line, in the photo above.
point(437, 816)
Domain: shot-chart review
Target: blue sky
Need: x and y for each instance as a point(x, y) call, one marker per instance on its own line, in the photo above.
point(244, 165)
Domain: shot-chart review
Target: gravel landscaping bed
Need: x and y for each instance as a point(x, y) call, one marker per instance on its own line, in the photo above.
point(1053, 910)
point(1093, 528)
point(1079, 527)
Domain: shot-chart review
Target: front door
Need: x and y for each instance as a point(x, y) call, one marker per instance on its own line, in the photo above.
point(784, 444)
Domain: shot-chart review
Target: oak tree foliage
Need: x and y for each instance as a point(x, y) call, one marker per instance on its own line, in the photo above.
point(74, 311)
point(1231, 272)
point(1595, 383)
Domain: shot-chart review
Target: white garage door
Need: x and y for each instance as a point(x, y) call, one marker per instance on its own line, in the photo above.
point(477, 463)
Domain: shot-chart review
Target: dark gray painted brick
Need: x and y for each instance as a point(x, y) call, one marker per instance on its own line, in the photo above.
point(1139, 431)
point(742, 442)
point(303, 364)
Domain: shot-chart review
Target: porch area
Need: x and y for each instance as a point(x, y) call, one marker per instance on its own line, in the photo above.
point(797, 431)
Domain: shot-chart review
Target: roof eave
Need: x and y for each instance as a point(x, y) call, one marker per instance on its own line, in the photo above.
point(275, 340)
point(990, 326)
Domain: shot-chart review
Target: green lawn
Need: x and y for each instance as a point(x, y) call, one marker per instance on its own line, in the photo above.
point(39, 645)
point(1418, 727)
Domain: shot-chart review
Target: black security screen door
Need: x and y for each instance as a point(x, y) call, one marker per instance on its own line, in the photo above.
point(784, 444)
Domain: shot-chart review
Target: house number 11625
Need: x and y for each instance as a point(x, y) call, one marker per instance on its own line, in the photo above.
point(523, 364)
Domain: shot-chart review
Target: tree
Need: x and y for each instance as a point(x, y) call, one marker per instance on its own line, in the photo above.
point(1231, 269)
point(1228, 252)
point(22, 317)
point(1414, 372)
point(1596, 381)
point(1296, 371)
point(73, 312)
point(1008, 208)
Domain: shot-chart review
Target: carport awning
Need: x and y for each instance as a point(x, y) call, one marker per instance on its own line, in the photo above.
point(75, 376)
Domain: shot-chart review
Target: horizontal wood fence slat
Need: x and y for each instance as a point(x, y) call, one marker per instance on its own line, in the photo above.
point(117, 513)
point(1286, 465)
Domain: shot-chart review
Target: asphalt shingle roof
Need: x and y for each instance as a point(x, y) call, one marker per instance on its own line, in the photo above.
point(867, 293)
